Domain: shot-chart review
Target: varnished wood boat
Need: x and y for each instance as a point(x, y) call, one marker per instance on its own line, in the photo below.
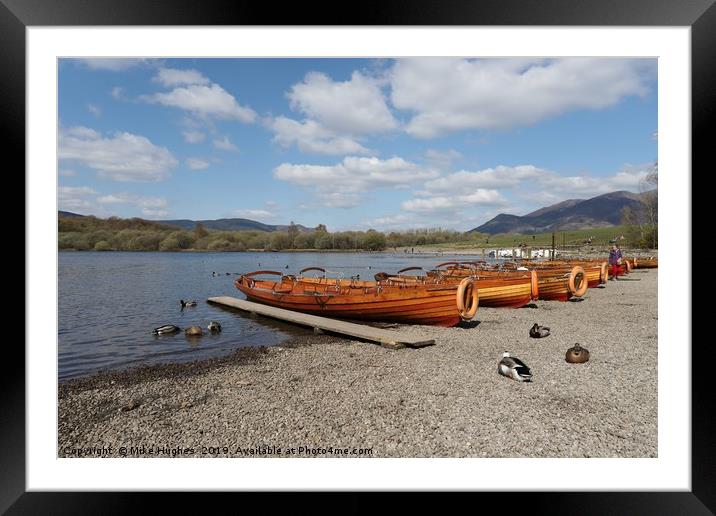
point(646, 263)
point(505, 291)
point(553, 284)
point(597, 272)
point(442, 304)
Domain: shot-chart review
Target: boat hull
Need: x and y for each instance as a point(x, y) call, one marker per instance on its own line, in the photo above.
point(416, 304)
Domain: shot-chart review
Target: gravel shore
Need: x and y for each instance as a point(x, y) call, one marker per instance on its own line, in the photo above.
point(321, 392)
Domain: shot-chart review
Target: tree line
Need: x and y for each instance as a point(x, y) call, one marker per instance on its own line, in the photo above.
point(642, 220)
point(115, 234)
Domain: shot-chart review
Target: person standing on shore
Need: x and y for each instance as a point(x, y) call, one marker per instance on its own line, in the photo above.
point(615, 261)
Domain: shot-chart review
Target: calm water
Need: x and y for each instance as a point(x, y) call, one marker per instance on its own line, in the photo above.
point(110, 302)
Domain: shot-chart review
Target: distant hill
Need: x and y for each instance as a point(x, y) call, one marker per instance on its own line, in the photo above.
point(231, 225)
point(68, 214)
point(603, 210)
point(220, 224)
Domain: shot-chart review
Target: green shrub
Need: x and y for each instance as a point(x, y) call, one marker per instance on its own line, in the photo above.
point(102, 245)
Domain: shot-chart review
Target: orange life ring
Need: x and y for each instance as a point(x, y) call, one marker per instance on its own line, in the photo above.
point(628, 266)
point(534, 284)
point(577, 287)
point(604, 273)
point(636, 265)
point(467, 299)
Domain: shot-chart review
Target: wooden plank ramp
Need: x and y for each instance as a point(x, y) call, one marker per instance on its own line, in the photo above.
point(386, 338)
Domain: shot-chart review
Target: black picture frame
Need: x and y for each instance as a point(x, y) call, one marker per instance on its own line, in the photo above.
point(700, 15)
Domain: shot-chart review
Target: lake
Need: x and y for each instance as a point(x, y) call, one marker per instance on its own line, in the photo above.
point(109, 303)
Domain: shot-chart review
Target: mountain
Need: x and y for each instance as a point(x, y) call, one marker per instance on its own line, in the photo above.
point(220, 224)
point(603, 210)
point(61, 213)
point(231, 225)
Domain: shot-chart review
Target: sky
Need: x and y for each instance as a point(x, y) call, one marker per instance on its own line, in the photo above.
point(387, 144)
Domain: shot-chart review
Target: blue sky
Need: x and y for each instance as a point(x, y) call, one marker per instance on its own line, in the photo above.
point(351, 143)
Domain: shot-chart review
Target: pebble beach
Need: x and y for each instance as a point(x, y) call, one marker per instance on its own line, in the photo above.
point(317, 393)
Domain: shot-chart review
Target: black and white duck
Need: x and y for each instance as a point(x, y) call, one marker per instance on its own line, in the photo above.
point(167, 329)
point(214, 327)
point(184, 304)
point(537, 331)
point(513, 367)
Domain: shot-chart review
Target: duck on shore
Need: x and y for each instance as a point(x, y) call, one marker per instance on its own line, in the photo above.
point(537, 331)
point(577, 354)
point(513, 367)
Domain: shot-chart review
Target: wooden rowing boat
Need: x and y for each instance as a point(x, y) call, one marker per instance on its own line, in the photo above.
point(417, 303)
point(646, 263)
point(597, 272)
point(552, 284)
point(501, 291)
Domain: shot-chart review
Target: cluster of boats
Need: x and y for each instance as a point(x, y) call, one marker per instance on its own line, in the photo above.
point(443, 296)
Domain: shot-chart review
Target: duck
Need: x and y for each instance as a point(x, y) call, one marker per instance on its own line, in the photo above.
point(513, 367)
point(538, 331)
point(184, 304)
point(577, 354)
point(214, 327)
point(167, 329)
point(194, 331)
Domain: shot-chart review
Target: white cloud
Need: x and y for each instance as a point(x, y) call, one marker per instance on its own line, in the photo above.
point(630, 178)
point(452, 94)
point(394, 222)
point(175, 77)
point(346, 200)
point(442, 159)
point(204, 101)
point(352, 107)
point(149, 206)
point(94, 109)
point(117, 93)
point(112, 64)
point(655, 135)
point(75, 191)
point(225, 144)
point(311, 137)
point(75, 198)
point(498, 177)
point(193, 136)
point(341, 185)
point(122, 157)
point(455, 203)
point(197, 164)
point(355, 174)
point(253, 214)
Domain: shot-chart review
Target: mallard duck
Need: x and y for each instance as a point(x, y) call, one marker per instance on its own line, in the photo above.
point(513, 367)
point(538, 331)
point(184, 304)
point(577, 354)
point(214, 327)
point(167, 329)
point(194, 331)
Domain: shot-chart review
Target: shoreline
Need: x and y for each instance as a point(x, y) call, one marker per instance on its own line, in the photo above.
point(446, 400)
point(418, 250)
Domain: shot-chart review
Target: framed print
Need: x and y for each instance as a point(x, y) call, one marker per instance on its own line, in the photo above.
point(192, 152)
